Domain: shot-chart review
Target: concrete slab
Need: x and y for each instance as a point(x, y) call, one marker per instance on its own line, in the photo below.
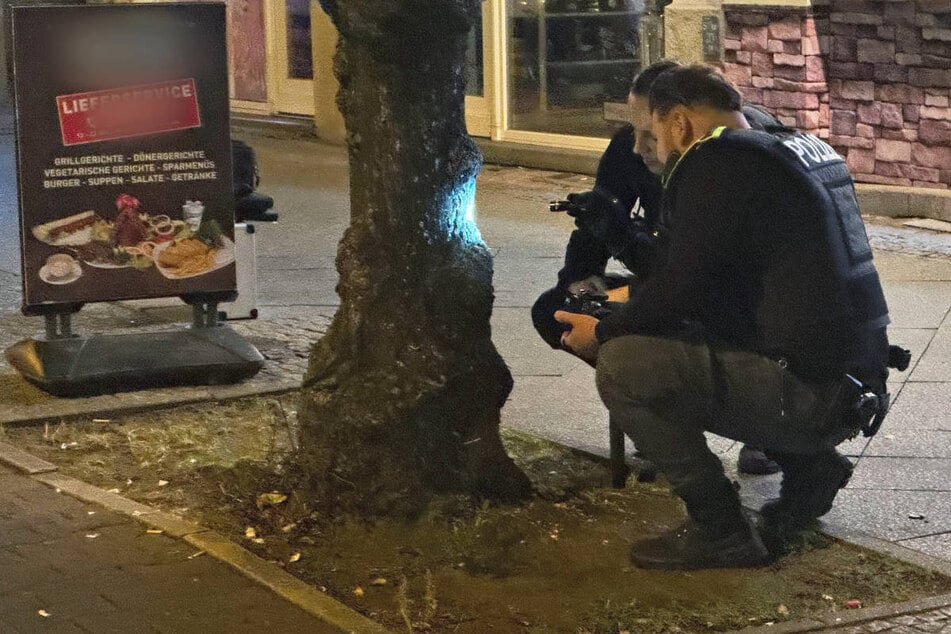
point(895, 266)
point(525, 354)
point(902, 474)
point(935, 364)
point(920, 407)
point(918, 304)
point(935, 545)
point(909, 443)
point(280, 289)
point(559, 409)
point(889, 514)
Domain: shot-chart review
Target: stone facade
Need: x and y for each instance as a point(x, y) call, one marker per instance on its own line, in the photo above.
point(873, 77)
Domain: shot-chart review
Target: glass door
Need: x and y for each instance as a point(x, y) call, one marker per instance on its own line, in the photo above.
point(477, 109)
point(292, 56)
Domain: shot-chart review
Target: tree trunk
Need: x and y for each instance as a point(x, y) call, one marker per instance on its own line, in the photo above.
point(402, 395)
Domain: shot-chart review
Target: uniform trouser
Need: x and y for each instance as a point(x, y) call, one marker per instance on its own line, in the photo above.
point(666, 392)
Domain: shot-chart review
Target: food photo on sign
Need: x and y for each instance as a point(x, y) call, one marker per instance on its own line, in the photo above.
point(134, 238)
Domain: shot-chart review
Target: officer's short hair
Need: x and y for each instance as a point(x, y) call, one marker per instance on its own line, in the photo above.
point(641, 85)
point(691, 86)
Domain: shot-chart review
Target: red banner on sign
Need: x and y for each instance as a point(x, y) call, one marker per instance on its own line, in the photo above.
point(128, 112)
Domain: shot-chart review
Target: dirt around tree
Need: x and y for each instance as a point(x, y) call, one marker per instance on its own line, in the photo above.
point(555, 564)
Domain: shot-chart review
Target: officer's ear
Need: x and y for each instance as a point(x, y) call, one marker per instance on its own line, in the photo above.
point(681, 127)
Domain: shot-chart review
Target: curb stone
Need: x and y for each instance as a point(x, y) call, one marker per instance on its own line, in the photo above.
point(119, 404)
point(282, 583)
point(839, 618)
point(339, 615)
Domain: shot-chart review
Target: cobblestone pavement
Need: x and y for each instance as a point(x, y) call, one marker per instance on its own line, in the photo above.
point(67, 566)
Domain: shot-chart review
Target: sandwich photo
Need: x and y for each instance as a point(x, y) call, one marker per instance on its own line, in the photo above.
point(75, 230)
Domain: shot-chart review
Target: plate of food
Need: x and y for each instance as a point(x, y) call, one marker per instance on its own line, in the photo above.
point(192, 257)
point(60, 269)
point(101, 254)
point(75, 230)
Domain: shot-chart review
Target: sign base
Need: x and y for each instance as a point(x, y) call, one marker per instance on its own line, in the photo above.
point(106, 364)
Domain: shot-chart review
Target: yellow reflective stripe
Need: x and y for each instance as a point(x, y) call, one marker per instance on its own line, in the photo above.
point(713, 134)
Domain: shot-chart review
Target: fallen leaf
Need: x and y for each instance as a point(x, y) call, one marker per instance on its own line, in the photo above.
point(161, 483)
point(250, 533)
point(782, 610)
point(294, 558)
point(43, 613)
point(154, 531)
point(358, 592)
point(853, 604)
point(379, 581)
point(271, 499)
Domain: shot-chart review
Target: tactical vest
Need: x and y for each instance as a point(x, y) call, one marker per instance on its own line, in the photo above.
point(824, 175)
point(851, 288)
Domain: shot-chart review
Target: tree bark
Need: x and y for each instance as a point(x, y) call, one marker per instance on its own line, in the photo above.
point(403, 393)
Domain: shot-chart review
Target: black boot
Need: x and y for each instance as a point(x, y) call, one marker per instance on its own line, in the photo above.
point(717, 535)
point(810, 484)
point(753, 461)
point(692, 547)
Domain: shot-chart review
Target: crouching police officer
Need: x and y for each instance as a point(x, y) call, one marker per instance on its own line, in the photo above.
point(765, 323)
point(628, 174)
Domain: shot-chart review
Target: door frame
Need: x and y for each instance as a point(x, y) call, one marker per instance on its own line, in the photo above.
point(285, 95)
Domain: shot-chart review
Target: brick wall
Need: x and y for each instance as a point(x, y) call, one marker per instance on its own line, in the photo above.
point(871, 76)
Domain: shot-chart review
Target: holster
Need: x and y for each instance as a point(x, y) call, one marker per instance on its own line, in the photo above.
point(863, 408)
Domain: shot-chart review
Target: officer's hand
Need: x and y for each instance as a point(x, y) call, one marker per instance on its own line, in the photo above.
point(580, 340)
point(594, 285)
point(600, 214)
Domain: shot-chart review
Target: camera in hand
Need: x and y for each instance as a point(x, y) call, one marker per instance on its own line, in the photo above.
point(565, 205)
point(587, 303)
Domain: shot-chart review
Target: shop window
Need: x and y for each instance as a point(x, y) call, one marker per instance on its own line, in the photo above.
point(300, 59)
point(474, 65)
point(571, 63)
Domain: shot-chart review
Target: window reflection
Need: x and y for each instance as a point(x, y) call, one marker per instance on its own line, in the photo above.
point(300, 59)
point(571, 64)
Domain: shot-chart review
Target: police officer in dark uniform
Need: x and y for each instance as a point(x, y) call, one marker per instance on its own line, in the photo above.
point(628, 174)
point(765, 322)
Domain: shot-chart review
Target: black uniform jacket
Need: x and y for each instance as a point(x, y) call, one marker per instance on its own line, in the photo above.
point(744, 256)
point(624, 174)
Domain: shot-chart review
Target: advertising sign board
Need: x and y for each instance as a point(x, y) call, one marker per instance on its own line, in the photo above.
point(123, 152)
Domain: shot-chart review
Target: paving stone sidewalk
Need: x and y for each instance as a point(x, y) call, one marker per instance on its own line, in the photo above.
point(68, 566)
